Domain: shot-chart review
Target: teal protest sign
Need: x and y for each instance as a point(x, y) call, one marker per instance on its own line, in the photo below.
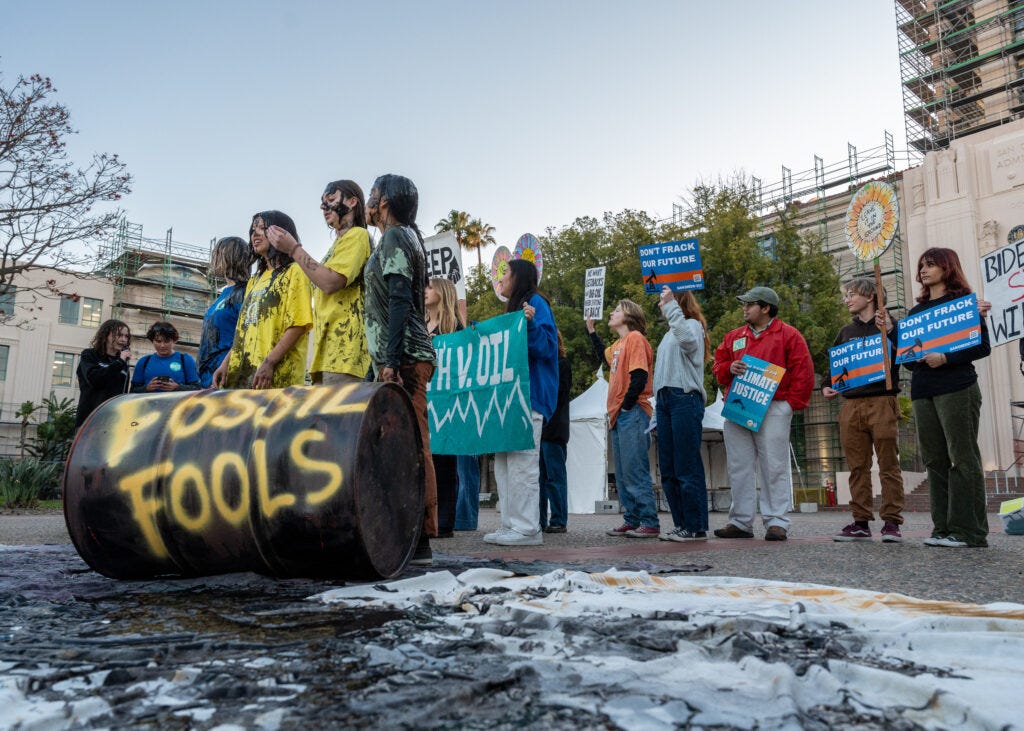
point(750, 394)
point(479, 398)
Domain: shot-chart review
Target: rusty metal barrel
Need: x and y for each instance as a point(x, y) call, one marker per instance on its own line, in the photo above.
point(317, 481)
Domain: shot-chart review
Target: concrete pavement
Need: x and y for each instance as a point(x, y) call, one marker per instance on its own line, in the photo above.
point(980, 575)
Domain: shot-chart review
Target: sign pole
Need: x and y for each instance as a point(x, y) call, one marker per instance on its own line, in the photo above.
point(879, 306)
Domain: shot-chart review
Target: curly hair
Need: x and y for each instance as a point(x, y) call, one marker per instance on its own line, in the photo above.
point(108, 328)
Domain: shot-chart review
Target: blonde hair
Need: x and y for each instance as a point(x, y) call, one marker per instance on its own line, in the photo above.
point(448, 319)
point(865, 287)
point(633, 316)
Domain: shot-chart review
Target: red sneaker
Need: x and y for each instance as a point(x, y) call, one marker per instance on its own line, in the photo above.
point(644, 531)
point(621, 530)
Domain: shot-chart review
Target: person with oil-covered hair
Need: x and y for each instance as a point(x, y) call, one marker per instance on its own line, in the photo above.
point(339, 338)
point(400, 347)
point(269, 348)
point(103, 368)
point(231, 260)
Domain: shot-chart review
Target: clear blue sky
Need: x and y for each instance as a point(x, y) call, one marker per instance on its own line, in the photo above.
point(527, 114)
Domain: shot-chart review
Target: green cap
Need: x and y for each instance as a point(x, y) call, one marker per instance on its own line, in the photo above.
point(760, 294)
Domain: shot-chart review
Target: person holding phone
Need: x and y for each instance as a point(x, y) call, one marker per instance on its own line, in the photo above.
point(166, 369)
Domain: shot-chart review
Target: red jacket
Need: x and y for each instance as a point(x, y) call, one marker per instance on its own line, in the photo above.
point(780, 344)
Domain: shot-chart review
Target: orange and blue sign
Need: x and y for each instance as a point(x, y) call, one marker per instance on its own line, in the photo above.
point(856, 363)
point(673, 263)
point(944, 328)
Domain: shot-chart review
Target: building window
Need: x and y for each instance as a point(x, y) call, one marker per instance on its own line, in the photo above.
point(7, 293)
point(68, 310)
point(767, 247)
point(5, 353)
point(63, 368)
point(92, 312)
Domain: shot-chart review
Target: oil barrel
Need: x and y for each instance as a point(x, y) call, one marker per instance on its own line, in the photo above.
point(315, 481)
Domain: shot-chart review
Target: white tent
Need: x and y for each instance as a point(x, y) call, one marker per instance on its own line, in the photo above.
point(587, 453)
point(587, 458)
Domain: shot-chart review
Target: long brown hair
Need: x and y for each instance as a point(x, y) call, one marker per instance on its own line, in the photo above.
point(952, 273)
point(99, 340)
point(691, 308)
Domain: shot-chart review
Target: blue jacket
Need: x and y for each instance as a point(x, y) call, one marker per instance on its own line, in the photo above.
point(542, 347)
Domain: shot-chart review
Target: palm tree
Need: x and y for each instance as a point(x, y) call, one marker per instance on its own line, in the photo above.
point(479, 235)
point(457, 222)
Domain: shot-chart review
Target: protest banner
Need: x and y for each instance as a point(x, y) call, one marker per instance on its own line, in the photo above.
point(673, 263)
point(1003, 272)
point(593, 293)
point(856, 363)
point(751, 394)
point(945, 328)
point(479, 398)
point(444, 260)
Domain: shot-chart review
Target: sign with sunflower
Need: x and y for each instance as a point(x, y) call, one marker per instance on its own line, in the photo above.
point(871, 220)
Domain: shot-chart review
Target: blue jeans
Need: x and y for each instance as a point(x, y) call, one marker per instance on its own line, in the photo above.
point(554, 484)
point(630, 443)
point(467, 505)
point(680, 417)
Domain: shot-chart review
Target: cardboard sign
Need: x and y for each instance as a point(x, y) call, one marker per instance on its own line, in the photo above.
point(856, 363)
point(674, 263)
point(1003, 272)
point(945, 328)
point(444, 260)
point(751, 394)
point(593, 294)
point(479, 398)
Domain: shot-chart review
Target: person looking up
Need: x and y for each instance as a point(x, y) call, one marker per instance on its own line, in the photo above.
point(269, 347)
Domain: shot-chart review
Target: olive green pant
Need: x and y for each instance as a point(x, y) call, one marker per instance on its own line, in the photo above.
point(947, 430)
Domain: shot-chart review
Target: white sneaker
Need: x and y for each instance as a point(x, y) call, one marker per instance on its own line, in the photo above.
point(933, 541)
point(500, 533)
point(951, 542)
point(515, 538)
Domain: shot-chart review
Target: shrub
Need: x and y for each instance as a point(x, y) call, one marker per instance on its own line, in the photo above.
point(23, 481)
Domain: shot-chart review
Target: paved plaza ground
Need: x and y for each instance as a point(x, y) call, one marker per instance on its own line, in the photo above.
point(978, 575)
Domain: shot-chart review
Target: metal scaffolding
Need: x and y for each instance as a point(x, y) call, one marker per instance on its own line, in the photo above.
point(961, 67)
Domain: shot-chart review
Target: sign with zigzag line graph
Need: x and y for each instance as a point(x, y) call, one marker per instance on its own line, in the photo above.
point(478, 401)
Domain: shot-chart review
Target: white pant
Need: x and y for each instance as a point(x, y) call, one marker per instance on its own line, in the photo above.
point(517, 475)
point(768, 449)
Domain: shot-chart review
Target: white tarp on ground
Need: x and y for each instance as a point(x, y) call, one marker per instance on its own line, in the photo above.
point(659, 651)
point(587, 455)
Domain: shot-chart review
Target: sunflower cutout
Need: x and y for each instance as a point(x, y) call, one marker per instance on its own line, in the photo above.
point(528, 249)
point(871, 220)
point(499, 265)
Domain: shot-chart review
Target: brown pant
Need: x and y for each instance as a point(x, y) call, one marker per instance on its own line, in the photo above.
point(866, 423)
point(415, 378)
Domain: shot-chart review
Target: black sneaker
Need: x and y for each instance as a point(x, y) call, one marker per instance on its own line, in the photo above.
point(422, 556)
point(555, 529)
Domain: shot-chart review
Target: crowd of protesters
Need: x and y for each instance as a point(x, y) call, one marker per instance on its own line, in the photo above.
point(372, 313)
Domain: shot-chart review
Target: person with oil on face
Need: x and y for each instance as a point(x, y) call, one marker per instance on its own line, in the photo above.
point(166, 369)
point(103, 368)
point(396, 330)
point(269, 348)
point(339, 339)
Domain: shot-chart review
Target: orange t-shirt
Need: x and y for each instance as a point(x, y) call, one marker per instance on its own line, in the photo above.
point(626, 355)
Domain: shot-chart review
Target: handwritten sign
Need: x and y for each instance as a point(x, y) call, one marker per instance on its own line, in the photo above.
point(1003, 272)
point(945, 328)
point(593, 294)
point(674, 263)
point(856, 363)
point(479, 398)
point(751, 394)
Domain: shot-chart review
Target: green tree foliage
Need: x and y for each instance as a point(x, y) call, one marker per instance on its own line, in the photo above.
point(736, 256)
